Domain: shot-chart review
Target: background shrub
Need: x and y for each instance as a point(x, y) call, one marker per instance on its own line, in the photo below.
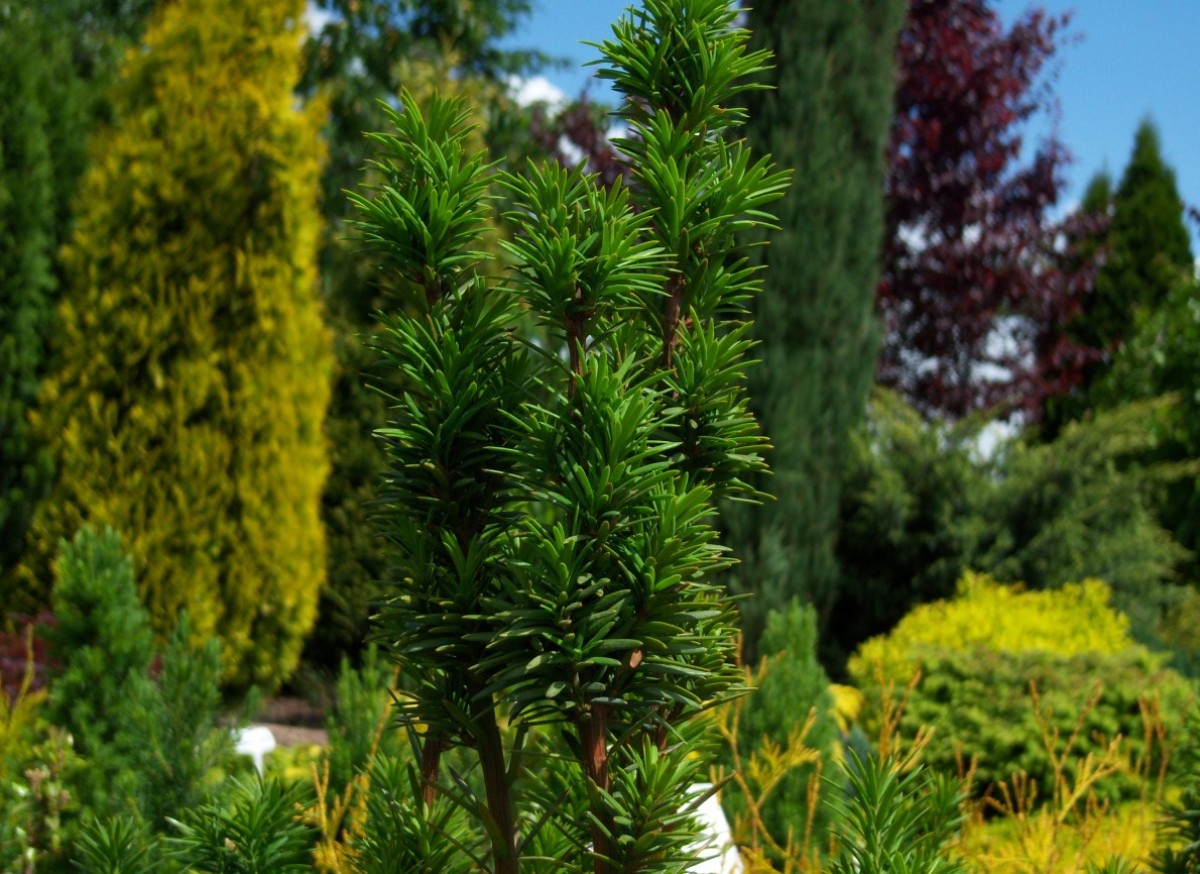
point(980, 654)
point(921, 508)
point(104, 646)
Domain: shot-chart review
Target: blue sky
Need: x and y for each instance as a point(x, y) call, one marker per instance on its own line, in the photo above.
point(1133, 59)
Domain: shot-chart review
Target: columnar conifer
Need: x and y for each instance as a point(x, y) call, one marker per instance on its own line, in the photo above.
point(827, 117)
point(551, 502)
point(186, 411)
point(26, 275)
point(1147, 247)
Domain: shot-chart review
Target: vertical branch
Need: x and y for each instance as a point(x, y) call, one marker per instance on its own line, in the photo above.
point(593, 735)
point(498, 791)
point(431, 757)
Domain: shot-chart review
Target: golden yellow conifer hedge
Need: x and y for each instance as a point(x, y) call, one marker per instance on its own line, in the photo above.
point(194, 363)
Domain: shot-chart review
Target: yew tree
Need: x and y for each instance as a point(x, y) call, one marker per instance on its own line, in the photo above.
point(975, 285)
point(551, 492)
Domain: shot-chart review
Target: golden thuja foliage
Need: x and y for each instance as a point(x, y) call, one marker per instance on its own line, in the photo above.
point(754, 775)
point(194, 368)
point(1076, 618)
point(18, 713)
point(341, 816)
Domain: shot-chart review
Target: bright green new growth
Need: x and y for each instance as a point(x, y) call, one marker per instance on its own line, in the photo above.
point(898, 821)
point(551, 503)
point(104, 646)
point(186, 410)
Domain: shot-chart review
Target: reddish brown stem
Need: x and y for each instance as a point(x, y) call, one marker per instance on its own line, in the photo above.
point(671, 316)
point(431, 758)
point(593, 733)
point(499, 796)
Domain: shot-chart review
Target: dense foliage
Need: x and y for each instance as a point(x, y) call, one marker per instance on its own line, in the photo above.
point(970, 253)
point(36, 89)
point(922, 507)
point(135, 728)
point(982, 654)
point(186, 407)
point(826, 115)
point(551, 513)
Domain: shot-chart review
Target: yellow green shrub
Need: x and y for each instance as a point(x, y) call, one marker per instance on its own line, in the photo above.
point(982, 654)
point(194, 364)
point(1077, 618)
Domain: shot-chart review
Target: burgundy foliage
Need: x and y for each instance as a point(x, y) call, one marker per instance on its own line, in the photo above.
point(977, 282)
point(579, 132)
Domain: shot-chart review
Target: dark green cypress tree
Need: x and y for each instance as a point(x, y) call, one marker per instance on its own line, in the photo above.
point(41, 100)
point(26, 277)
point(56, 62)
point(827, 115)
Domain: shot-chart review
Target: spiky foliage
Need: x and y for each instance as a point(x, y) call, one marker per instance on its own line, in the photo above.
point(187, 407)
point(826, 116)
point(252, 827)
point(897, 820)
point(357, 557)
point(1179, 847)
point(551, 503)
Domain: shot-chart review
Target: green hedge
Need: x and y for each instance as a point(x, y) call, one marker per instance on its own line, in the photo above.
point(979, 704)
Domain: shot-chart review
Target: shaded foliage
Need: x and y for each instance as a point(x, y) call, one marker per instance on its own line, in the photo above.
point(921, 508)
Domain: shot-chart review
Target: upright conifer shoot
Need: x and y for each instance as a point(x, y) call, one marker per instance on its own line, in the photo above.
point(552, 502)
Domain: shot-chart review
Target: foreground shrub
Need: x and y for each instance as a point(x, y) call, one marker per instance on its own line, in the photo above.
point(791, 688)
point(898, 819)
point(150, 746)
point(981, 655)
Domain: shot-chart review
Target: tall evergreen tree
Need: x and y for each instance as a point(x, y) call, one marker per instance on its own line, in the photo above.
point(827, 116)
point(57, 58)
point(1147, 246)
point(186, 409)
point(27, 282)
